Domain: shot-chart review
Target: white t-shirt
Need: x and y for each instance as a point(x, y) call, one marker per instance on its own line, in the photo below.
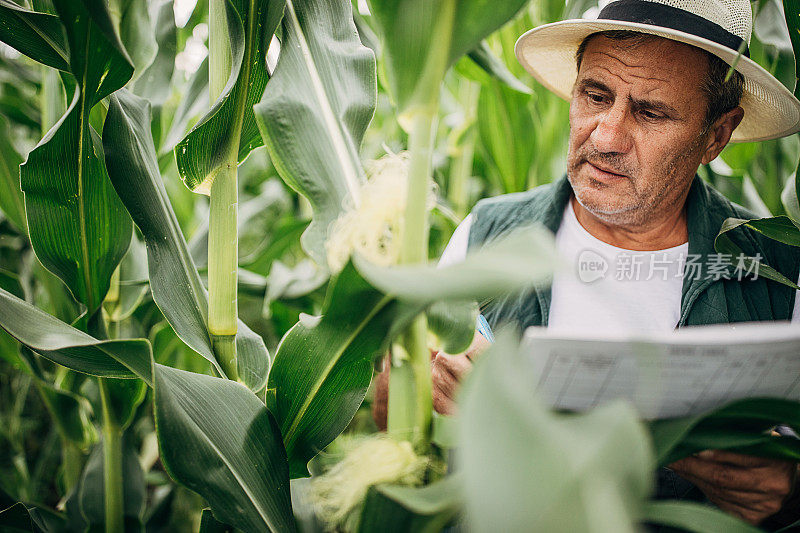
point(607, 288)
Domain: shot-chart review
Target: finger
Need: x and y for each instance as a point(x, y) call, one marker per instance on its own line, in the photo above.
point(757, 507)
point(386, 362)
point(754, 501)
point(455, 365)
point(750, 506)
point(750, 516)
point(724, 476)
point(766, 468)
point(444, 381)
point(380, 402)
point(444, 404)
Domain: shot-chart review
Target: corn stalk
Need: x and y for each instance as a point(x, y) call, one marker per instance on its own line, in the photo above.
point(418, 62)
point(223, 224)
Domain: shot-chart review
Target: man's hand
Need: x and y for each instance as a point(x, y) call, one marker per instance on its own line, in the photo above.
point(448, 371)
point(751, 488)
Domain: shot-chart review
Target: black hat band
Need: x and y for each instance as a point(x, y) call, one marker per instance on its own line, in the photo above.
point(655, 14)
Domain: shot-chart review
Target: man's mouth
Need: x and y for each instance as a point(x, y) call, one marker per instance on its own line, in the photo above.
point(604, 172)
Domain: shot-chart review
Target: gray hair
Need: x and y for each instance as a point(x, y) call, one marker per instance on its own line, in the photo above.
point(723, 96)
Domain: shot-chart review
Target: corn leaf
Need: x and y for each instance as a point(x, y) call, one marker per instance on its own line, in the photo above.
point(174, 281)
point(22, 518)
point(194, 101)
point(209, 524)
point(133, 282)
point(154, 83)
point(77, 225)
point(781, 229)
point(694, 517)
point(97, 60)
point(324, 364)
point(90, 492)
point(204, 150)
point(11, 202)
point(790, 201)
point(16, 518)
point(453, 323)
point(125, 397)
point(316, 108)
point(286, 235)
point(399, 508)
point(521, 259)
point(503, 425)
point(70, 347)
point(492, 67)
point(290, 283)
point(12, 283)
point(136, 31)
point(417, 40)
point(70, 413)
point(505, 126)
point(236, 459)
point(61, 304)
point(724, 245)
point(39, 36)
point(19, 109)
point(741, 426)
point(791, 11)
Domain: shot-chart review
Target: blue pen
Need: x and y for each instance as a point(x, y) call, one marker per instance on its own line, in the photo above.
point(484, 329)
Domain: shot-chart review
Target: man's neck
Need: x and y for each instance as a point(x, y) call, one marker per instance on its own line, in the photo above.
point(666, 232)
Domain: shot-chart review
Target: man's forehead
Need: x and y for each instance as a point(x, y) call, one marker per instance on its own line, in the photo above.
point(651, 58)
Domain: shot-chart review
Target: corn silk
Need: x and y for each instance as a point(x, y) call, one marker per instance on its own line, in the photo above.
point(339, 493)
point(373, 228)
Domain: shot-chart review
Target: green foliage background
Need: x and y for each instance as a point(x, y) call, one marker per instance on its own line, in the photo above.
point(498, 132)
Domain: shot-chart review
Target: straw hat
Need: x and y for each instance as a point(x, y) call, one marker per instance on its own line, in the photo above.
point(720, 27)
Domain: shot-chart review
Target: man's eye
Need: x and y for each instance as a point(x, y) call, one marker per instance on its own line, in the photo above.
point(596, 98)
point(650, 115)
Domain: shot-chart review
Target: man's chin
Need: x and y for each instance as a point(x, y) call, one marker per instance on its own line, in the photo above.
point(603, 203)
point(603, 210)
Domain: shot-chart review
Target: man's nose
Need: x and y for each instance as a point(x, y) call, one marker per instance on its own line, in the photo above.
point(612, 132)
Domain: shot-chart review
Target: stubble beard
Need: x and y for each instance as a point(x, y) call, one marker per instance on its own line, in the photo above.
point(643, 206)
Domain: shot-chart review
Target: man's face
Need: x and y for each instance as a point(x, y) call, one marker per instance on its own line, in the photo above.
point(636, 128)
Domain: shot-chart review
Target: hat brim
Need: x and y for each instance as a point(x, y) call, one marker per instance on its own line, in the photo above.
point(548, 54)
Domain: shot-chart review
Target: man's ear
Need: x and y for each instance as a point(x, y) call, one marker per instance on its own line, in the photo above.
point(719, 134)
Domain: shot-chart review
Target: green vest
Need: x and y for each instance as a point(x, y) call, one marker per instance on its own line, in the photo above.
point(704, 300)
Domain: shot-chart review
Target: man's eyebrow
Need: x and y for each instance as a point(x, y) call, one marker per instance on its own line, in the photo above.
point(654, 105)
point(589, 83)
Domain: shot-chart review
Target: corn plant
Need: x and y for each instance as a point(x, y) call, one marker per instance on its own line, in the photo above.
point(209, 155)
point(249, 486)
point(782, 228)
point(108, 308)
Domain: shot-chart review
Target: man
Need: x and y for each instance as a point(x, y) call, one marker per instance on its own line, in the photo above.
point(649, 104)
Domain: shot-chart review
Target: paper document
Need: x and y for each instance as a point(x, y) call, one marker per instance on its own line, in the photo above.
point(672, 374)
